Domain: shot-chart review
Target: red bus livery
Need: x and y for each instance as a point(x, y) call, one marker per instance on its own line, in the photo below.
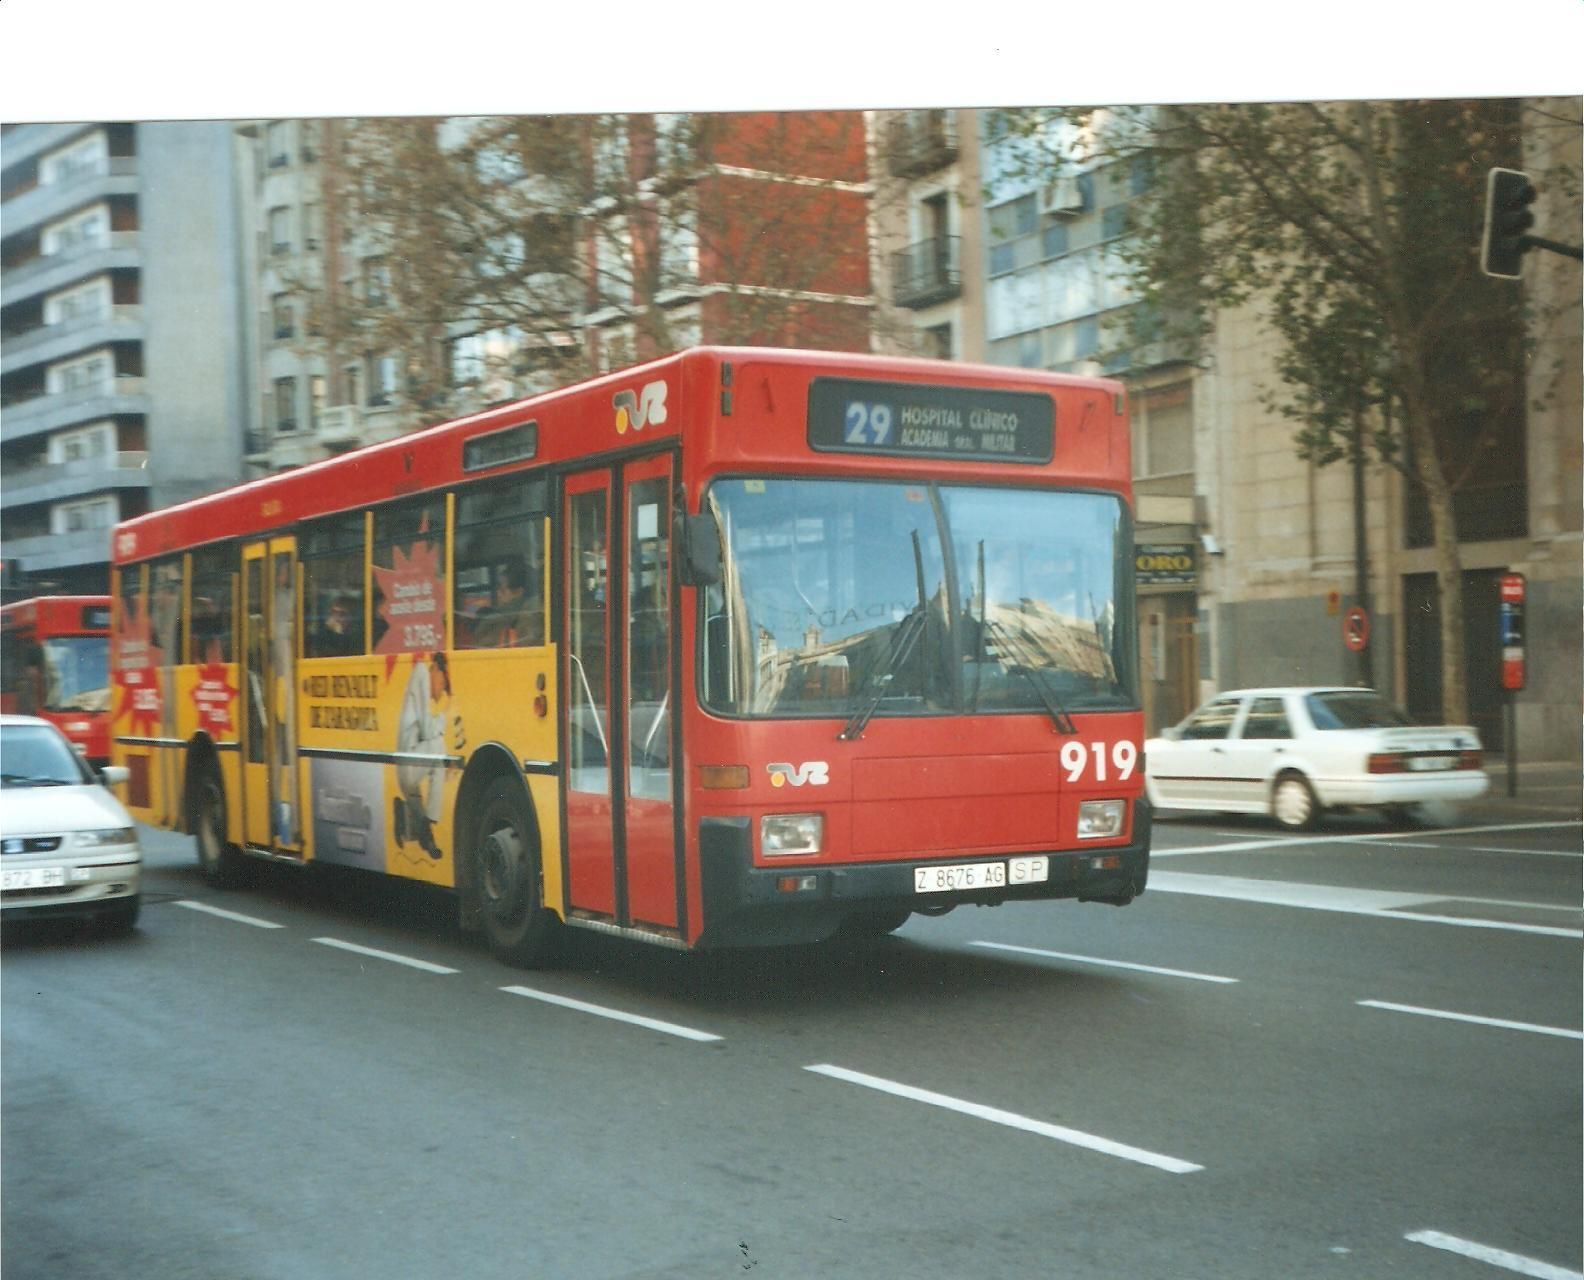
point(739, 646)
point(55, 663)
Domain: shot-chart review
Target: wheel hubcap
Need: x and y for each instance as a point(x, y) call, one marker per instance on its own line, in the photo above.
point(501, 864)
point(1292, 803)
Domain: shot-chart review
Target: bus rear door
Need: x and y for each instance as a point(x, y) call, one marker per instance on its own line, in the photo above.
point(271, 806)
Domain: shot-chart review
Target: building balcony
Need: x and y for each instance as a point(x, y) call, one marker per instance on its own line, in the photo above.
point(52, 411)
point(46, 551)
point(117, 177)
point(32, 141)
point(927, 272)
point(920, 142)
point(49, 272)
point(341, 425)
point(54, 482)
point(51, 342)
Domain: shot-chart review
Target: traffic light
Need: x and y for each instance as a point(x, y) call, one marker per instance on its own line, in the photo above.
point(1508, 195)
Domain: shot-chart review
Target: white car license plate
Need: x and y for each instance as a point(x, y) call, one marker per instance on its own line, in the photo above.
point(959, 875)
point(1424, 764)
point(34, 878)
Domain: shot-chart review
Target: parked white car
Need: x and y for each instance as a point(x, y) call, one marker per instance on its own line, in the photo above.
point(67, 846)
point(1295, 752)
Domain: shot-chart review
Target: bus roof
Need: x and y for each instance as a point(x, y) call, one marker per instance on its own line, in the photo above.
point(429, 458)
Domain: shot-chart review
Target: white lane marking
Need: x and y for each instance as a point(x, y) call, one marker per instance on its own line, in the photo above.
point(227, 915)
point(1469, 1017)
point(1288, 842)
point(638, 1020)
point(425, 965)
point(1009, 1118)
point(1496, 1257)
point(1379, 903)
point(1110, 964)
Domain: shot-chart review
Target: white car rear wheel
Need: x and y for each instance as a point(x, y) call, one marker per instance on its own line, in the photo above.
point(1293, 802)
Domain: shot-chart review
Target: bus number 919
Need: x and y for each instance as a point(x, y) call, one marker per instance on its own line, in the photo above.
point(1122, 760)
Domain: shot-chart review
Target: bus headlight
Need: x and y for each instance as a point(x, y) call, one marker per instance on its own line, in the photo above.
point(781, 834)
point(1100, 818)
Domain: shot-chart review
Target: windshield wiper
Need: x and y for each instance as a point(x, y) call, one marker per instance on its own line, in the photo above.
point(879, 678)
point(28, 780)
point(1053, 707)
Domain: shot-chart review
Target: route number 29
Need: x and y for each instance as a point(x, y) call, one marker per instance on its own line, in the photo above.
point(1075, 759)
point(867, 423)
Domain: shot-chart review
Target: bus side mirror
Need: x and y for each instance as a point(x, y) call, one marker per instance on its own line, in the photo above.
point(698, 538)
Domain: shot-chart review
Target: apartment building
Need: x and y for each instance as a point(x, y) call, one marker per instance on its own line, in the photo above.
point(122, 379)
point(746, 228)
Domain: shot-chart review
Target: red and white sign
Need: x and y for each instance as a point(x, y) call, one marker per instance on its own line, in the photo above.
point(1511, 590)
point(1355, 629)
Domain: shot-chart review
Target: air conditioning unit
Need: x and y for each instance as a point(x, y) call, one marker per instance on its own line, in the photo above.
point(1063, 197)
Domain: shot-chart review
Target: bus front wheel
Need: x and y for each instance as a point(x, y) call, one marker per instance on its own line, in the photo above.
point(519, 929)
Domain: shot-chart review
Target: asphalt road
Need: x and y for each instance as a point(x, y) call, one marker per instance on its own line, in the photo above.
point(1351, 1054)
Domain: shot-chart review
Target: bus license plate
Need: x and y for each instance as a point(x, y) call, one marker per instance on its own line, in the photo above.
point(959, 875)
point(34, 878)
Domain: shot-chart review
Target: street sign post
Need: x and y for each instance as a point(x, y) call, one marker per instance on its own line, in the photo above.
point(1511, 592)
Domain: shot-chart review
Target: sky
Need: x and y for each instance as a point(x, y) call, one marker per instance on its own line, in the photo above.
point(194, 59)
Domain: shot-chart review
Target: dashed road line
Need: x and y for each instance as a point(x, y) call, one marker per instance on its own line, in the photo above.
point(1012, 1120)
point(409, 961)
point(191, 905)
point(1109, 964)
point(1496, 1257)
point(1504, 1023)
point(616, 1015)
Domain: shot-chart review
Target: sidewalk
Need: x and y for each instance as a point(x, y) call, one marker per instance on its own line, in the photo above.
point(1546, 791)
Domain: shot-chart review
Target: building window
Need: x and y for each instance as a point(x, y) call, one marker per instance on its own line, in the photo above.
point(277, 140)
point(313, 225)
point(352, 377)
point(308, 132)
point(285, 404)
point(92, 373)
point(1086, 340)
point(376, 282)
point(88, 442)
point(77, 517)
point(1163, 431)
point(281, 306)
point(84, 230)
point(87, 302)
point(1053, 240)
point(382, 388)
point(280, 229)
point(1002, 259)
point(91, 155)
point(938, 342)
point(1113, 222)
point(317, 394)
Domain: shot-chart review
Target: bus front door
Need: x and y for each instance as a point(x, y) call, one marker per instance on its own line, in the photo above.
point(271, 806)
point(618, 700)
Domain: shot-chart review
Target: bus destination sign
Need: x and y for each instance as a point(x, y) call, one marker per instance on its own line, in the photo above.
point(910, 419)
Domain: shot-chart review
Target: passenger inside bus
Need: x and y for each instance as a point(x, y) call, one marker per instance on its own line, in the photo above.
point(512, 618)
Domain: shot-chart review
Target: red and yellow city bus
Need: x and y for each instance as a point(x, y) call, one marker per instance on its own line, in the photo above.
point(55, 664)
point(738, 646)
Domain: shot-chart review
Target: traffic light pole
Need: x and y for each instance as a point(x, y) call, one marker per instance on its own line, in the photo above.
point(1566, 250)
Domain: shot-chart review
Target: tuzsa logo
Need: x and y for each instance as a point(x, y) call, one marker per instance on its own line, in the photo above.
point(638, 411)
point(813, 773)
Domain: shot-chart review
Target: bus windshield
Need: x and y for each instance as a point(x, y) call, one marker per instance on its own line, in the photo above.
point(839, 597)
point(77, 673)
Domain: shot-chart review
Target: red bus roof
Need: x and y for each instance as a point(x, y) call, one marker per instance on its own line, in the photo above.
point(431, 458)
point(56, 615)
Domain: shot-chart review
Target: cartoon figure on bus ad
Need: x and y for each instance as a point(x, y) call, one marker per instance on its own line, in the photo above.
point(421, 732)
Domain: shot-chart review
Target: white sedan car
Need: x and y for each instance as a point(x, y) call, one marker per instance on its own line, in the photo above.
point(67, 847)
point(1295, 752)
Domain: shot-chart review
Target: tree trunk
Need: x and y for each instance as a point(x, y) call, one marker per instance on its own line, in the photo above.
point(1449, 562)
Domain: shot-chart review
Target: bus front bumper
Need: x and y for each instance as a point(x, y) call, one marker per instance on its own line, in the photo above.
point(748, 905)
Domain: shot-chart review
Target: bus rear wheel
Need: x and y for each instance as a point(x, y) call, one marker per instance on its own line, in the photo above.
point(518, 928)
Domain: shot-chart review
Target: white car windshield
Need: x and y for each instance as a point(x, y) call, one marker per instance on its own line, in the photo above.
point(37, 756)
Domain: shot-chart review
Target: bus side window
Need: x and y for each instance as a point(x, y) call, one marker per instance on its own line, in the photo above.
point(332, 559)
point(165, 611)
point(210, 627)
point(499, 597)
